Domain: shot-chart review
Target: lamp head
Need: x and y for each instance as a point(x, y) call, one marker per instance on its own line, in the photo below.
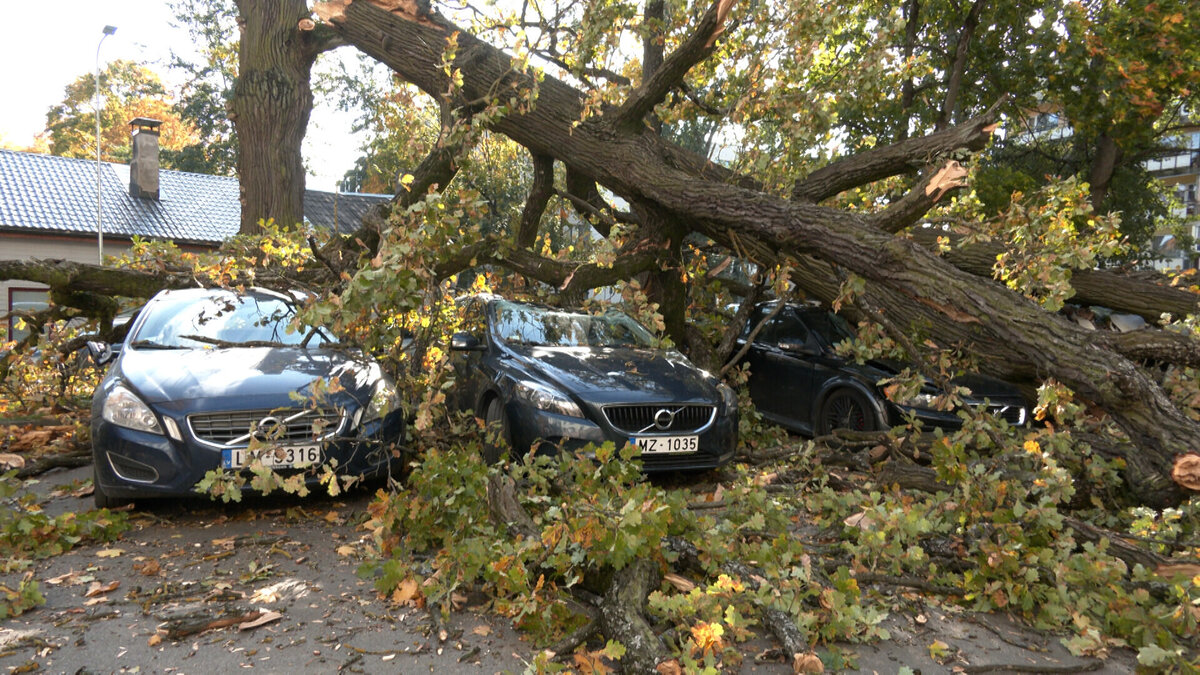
point(109, 30)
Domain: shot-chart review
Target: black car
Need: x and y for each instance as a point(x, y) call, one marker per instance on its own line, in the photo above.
point(799, 382)
point(203, 373)
point(561, 378)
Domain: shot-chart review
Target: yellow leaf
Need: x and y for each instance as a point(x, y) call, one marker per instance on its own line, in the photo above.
point(346, 550)
point(807, 663)
point(97, 588)
point(405, 592)
point(110, 552)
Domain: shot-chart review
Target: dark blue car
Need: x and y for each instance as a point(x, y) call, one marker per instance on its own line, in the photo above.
point(561, 378)
point(213, 378)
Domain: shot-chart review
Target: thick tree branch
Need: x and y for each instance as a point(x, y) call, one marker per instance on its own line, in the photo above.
point(1148, 296)
point(652, 48)
point(81, 277)
point(539, 196)
point(1154, 346)
point(872, 165)
point(583, 194)
point(670, 75)
point(1104, 163)
point(916, 203)
point(912, 13)
point(318, 38)
point(959, 66)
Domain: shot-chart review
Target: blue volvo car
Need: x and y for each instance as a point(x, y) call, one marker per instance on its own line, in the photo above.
point(556, 378)
point(213, 378)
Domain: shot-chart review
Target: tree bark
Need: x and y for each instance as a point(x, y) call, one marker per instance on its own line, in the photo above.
point(1144, 294)
point(1104, 165)
point(271, 103)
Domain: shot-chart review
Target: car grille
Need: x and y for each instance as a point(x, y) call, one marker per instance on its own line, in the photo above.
point(1013, 414)
point(638, 419)
point(296, 426)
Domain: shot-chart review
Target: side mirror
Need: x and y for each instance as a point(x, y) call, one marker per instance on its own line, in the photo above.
point(797, 347)
point(465, 342)
point(101, 352)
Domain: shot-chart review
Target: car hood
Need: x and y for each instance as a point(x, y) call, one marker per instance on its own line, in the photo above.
point(609, 375)
point(178, 374)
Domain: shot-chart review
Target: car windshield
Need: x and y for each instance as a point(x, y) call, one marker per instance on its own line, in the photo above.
point(517, 323)
point(174, 322)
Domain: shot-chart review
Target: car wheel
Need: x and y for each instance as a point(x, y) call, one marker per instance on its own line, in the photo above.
point(847, 409)
point(495, 450)
point(102, 500)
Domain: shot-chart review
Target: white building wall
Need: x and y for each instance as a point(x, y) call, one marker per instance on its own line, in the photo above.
point(25, 247)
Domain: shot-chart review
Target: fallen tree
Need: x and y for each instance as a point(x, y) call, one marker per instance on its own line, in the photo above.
point(1013, 337)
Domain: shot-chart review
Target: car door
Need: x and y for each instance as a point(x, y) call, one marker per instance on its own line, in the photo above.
point(781, 367)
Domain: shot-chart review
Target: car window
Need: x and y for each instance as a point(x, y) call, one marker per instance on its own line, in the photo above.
point(518, 323)
point(473, 320)
point(756, 317)
point(832, 327)
point(788, 326)
point(225, 318)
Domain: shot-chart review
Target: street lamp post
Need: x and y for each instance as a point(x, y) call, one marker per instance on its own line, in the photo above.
point(108, 30)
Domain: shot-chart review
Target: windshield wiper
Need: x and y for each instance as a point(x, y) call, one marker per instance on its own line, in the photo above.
point(225, 344)
point(150, 344)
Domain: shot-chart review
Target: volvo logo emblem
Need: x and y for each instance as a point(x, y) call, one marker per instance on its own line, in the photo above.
point(663, 419)
point(270, 428)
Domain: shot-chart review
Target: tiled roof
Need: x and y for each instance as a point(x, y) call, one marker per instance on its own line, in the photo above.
point(343, 211)
point(48, 194)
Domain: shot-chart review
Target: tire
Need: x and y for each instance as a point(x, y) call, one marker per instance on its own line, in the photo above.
point(102, 500)
point(496, 452)
point(847, 409)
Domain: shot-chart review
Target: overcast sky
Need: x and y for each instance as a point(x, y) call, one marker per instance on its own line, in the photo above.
point(48, 45)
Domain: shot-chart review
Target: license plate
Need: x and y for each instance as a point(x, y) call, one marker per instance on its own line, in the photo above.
point(275, 458)
point(665, 445)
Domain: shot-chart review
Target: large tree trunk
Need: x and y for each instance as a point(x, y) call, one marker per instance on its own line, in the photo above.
point(271, 103)
point(1010, 333)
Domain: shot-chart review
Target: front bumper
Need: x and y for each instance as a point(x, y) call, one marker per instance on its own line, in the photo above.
point(546, 432)
point(134, 464)
point(1015, 413)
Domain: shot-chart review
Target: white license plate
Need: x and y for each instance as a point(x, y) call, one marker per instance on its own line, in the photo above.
point(275, 458)
point(665, 445)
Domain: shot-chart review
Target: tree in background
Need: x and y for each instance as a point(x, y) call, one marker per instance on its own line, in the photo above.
point(130, 90)
point(209, 77)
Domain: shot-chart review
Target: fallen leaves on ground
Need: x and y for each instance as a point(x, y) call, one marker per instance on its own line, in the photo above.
point(97, 588)
point(267, 616)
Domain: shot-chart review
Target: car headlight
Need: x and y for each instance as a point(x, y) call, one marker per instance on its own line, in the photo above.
point(124, 409)
point(544, 398)
point(383, 401)
point(728, 397)
point(927, 401)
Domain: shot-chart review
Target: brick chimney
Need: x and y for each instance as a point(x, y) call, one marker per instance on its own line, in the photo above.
point(143, 167)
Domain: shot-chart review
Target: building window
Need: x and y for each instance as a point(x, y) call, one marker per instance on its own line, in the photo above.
point(24, 300)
